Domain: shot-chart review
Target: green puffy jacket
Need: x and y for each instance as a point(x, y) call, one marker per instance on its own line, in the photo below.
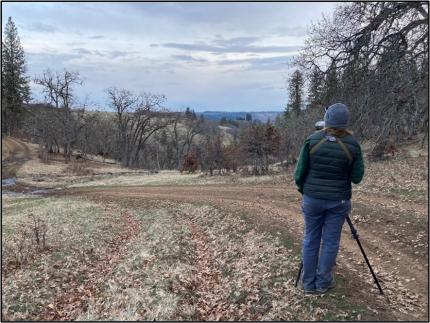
point(326, 167)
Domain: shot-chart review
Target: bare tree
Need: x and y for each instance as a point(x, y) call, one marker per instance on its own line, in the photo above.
point(379, 52)
point(367, 29)
point(138, 118)
point(58, 90)
point(183, 131)
point(260, 146)
point(41, 125)
point(124, 104)
point(213, 156)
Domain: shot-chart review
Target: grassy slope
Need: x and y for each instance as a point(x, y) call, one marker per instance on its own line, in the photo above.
point(162, 274)
point(161, 271)
point(78, 233)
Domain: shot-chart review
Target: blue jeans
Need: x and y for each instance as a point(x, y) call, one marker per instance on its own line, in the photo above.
point(323, 221)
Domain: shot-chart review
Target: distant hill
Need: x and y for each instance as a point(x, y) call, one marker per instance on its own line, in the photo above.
point(262, 116)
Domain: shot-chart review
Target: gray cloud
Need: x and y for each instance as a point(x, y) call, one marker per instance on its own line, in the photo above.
point(109, 54)
point(251, 15)
point(221, 45)
point(237, 41)
point(83, 51)
point(120, 53)
point(204, 47)
point(75, 43)
point(41, 27)
point(165, 38)
point(96, 37)
point(296, 31)
point(255, 63)
point(262, 63)
point(188, 58)
point(58, 61)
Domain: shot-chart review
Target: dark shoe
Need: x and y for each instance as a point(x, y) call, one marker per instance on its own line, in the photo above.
point(326, 289)
point(306, 291)
point(310, 292)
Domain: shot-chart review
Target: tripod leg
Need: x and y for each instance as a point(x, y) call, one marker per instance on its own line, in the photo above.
point(355, 236)
point(299, 273)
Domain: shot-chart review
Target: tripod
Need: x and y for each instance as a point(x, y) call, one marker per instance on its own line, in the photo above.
point(355, 236)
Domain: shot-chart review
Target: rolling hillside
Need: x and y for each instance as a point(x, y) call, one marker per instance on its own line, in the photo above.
point(262, 116)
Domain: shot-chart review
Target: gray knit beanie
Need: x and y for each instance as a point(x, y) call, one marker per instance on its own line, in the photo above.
point(337, 116)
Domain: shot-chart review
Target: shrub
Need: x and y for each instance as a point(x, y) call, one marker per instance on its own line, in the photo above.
point(79, 169)
point(190, 163)
point(29, 240)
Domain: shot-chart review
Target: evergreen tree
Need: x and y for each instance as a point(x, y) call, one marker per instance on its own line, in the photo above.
point(316, 94)
point(248, 117)
point(295, 91)
point(15, 84)
point(188, 113)
point(331, 87)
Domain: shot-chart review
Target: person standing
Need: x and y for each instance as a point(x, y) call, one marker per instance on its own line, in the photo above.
point(329, 160)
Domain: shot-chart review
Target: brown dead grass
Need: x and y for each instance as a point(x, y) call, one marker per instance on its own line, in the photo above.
point(403, 177)
point(78, 169)
point(227, 249)
point(78, 234)
point(180, 262)
point(385, 232)
point(212, 265)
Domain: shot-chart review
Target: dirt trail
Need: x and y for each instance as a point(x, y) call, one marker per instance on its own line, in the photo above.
point(13, 155)
point(12, 147)
point(276, 208)
point(211, 304)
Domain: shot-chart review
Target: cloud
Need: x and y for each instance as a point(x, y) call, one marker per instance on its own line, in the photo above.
point(38, 64)
point(41, 27)
point(107, 54)
point(75, 43)
point(188, 58)
point(207, 54)
point(237, 41)
point(230, 48)
point(221, 45)
point(248, 15)
point(83, 51)
point(119, 53)
point(261, 63)
point(96, 37)
point(295, 31)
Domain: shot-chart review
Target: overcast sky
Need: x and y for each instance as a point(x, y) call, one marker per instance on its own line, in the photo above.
point(208, 56)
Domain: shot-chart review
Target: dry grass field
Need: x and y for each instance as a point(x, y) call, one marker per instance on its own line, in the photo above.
point(118, 244)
